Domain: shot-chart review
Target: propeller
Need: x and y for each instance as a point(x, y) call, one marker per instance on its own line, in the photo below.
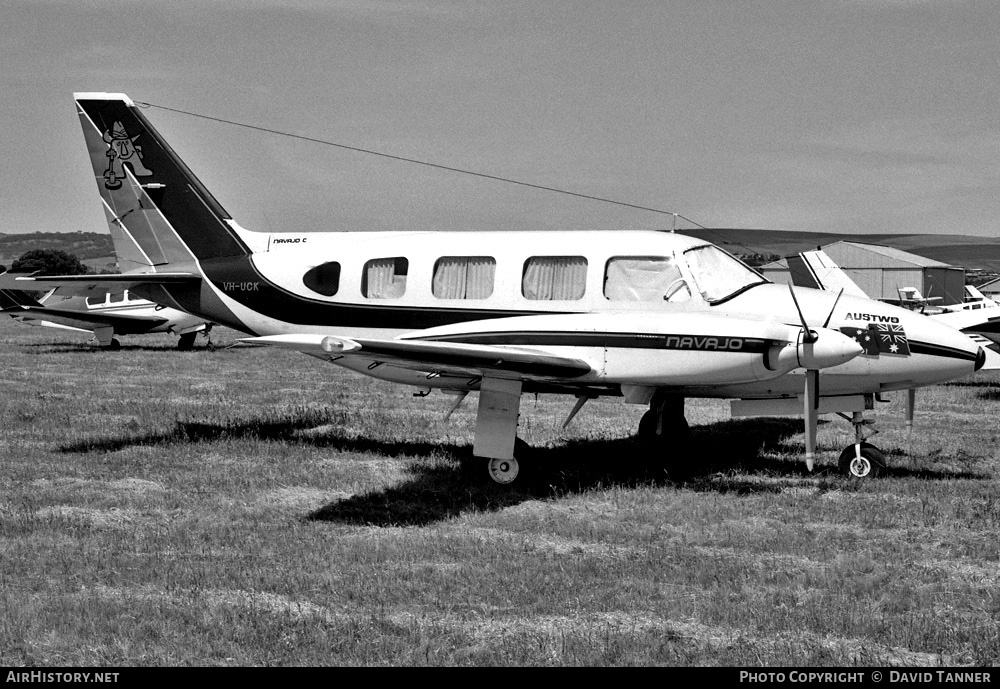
point(813, 357)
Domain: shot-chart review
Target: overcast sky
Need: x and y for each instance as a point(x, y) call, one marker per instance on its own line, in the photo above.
point(826, 115)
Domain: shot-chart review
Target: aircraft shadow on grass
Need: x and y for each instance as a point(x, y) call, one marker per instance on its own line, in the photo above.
point(723, 457)
point(90, 347)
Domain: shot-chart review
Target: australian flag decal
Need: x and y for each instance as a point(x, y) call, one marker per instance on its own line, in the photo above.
point(880, 338)
point(891, 339)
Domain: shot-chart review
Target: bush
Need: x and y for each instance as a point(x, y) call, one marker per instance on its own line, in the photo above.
point(48, 262)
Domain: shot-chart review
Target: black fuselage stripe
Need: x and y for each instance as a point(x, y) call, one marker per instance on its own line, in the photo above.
point(624, 340)
point(942, 351)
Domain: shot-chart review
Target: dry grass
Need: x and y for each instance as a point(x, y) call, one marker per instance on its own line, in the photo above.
point(252, 507)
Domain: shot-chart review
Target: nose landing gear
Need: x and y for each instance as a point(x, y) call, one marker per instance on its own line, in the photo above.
point(861, 460)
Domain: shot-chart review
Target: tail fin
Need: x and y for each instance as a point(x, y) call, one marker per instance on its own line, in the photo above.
point(817, 270)
point(159, 213)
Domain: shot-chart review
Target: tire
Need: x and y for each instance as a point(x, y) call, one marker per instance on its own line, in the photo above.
point(114, 345)
point(186, 342)
point(509, 474)
point(668, 452)
point(870, 465)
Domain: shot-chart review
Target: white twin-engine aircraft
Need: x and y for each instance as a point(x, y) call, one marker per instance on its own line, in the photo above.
point(104, 315)
point(653, 317)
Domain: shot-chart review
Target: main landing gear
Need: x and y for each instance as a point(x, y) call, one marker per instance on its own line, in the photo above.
point(498, 454)
point(665, 434)
point(862, 459)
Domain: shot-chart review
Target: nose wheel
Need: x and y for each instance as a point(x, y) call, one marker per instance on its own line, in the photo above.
point(861, 461)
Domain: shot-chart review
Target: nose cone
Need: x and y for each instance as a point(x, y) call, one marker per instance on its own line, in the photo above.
point(939, 352)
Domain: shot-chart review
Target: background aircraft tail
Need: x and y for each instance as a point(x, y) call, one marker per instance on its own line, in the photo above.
point(159, 213)
point(817, 270)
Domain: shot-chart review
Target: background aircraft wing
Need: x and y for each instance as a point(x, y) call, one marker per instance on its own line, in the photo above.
point(92, 285)
point(444, 358)
point(122, 322)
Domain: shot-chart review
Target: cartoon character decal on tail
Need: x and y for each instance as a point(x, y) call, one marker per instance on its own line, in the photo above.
point(121, 150)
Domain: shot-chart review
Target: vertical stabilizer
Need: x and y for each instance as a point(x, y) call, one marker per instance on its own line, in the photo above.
point(158, 212)
point(817, 270)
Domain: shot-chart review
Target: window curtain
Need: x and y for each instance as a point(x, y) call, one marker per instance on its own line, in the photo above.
point(554, 278)
point(464, 277)
point(383, 283)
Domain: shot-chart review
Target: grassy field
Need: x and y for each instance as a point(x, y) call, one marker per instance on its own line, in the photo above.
point(246, 506)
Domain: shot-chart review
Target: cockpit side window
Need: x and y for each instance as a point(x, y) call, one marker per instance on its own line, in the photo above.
point(644, 278)
point(720, 275)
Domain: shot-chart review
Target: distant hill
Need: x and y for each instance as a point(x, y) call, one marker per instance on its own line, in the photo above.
point(92, 248)
point(966, 251)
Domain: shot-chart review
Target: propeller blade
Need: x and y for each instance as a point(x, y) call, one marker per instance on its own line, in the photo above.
point(808, 336)
point(830, 315)
point(811, 398)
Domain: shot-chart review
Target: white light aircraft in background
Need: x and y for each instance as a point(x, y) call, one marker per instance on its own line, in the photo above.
point(978, 317)
point(104, 315)
point(653, 317)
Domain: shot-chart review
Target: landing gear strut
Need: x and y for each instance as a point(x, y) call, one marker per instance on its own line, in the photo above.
point(861, 460)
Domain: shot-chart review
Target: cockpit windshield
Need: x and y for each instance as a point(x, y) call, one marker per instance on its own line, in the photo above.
point(719, 275)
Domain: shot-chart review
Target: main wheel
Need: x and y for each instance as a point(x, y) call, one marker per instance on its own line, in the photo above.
point(870, 463)
point(503, 471)
point(667, 451)
point(186, 341)
point(114, 345)
point(509, 473)
point(675, 429)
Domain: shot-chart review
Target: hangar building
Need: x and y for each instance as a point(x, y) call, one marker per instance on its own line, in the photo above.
point(882, 271)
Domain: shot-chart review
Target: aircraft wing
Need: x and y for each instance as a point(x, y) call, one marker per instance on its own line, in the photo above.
point(92, 285)
point(121, 321)
point(445, 358)
point(817, 270)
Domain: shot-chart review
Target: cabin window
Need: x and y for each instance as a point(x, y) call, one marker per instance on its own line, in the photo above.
point(553, 278)
point(644, 278)
point(464, 277)
point(117, 297)
point(323, 279)
point(384, 278)
point(97, 301)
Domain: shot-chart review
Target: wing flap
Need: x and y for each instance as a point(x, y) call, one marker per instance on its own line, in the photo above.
point(442, 357)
